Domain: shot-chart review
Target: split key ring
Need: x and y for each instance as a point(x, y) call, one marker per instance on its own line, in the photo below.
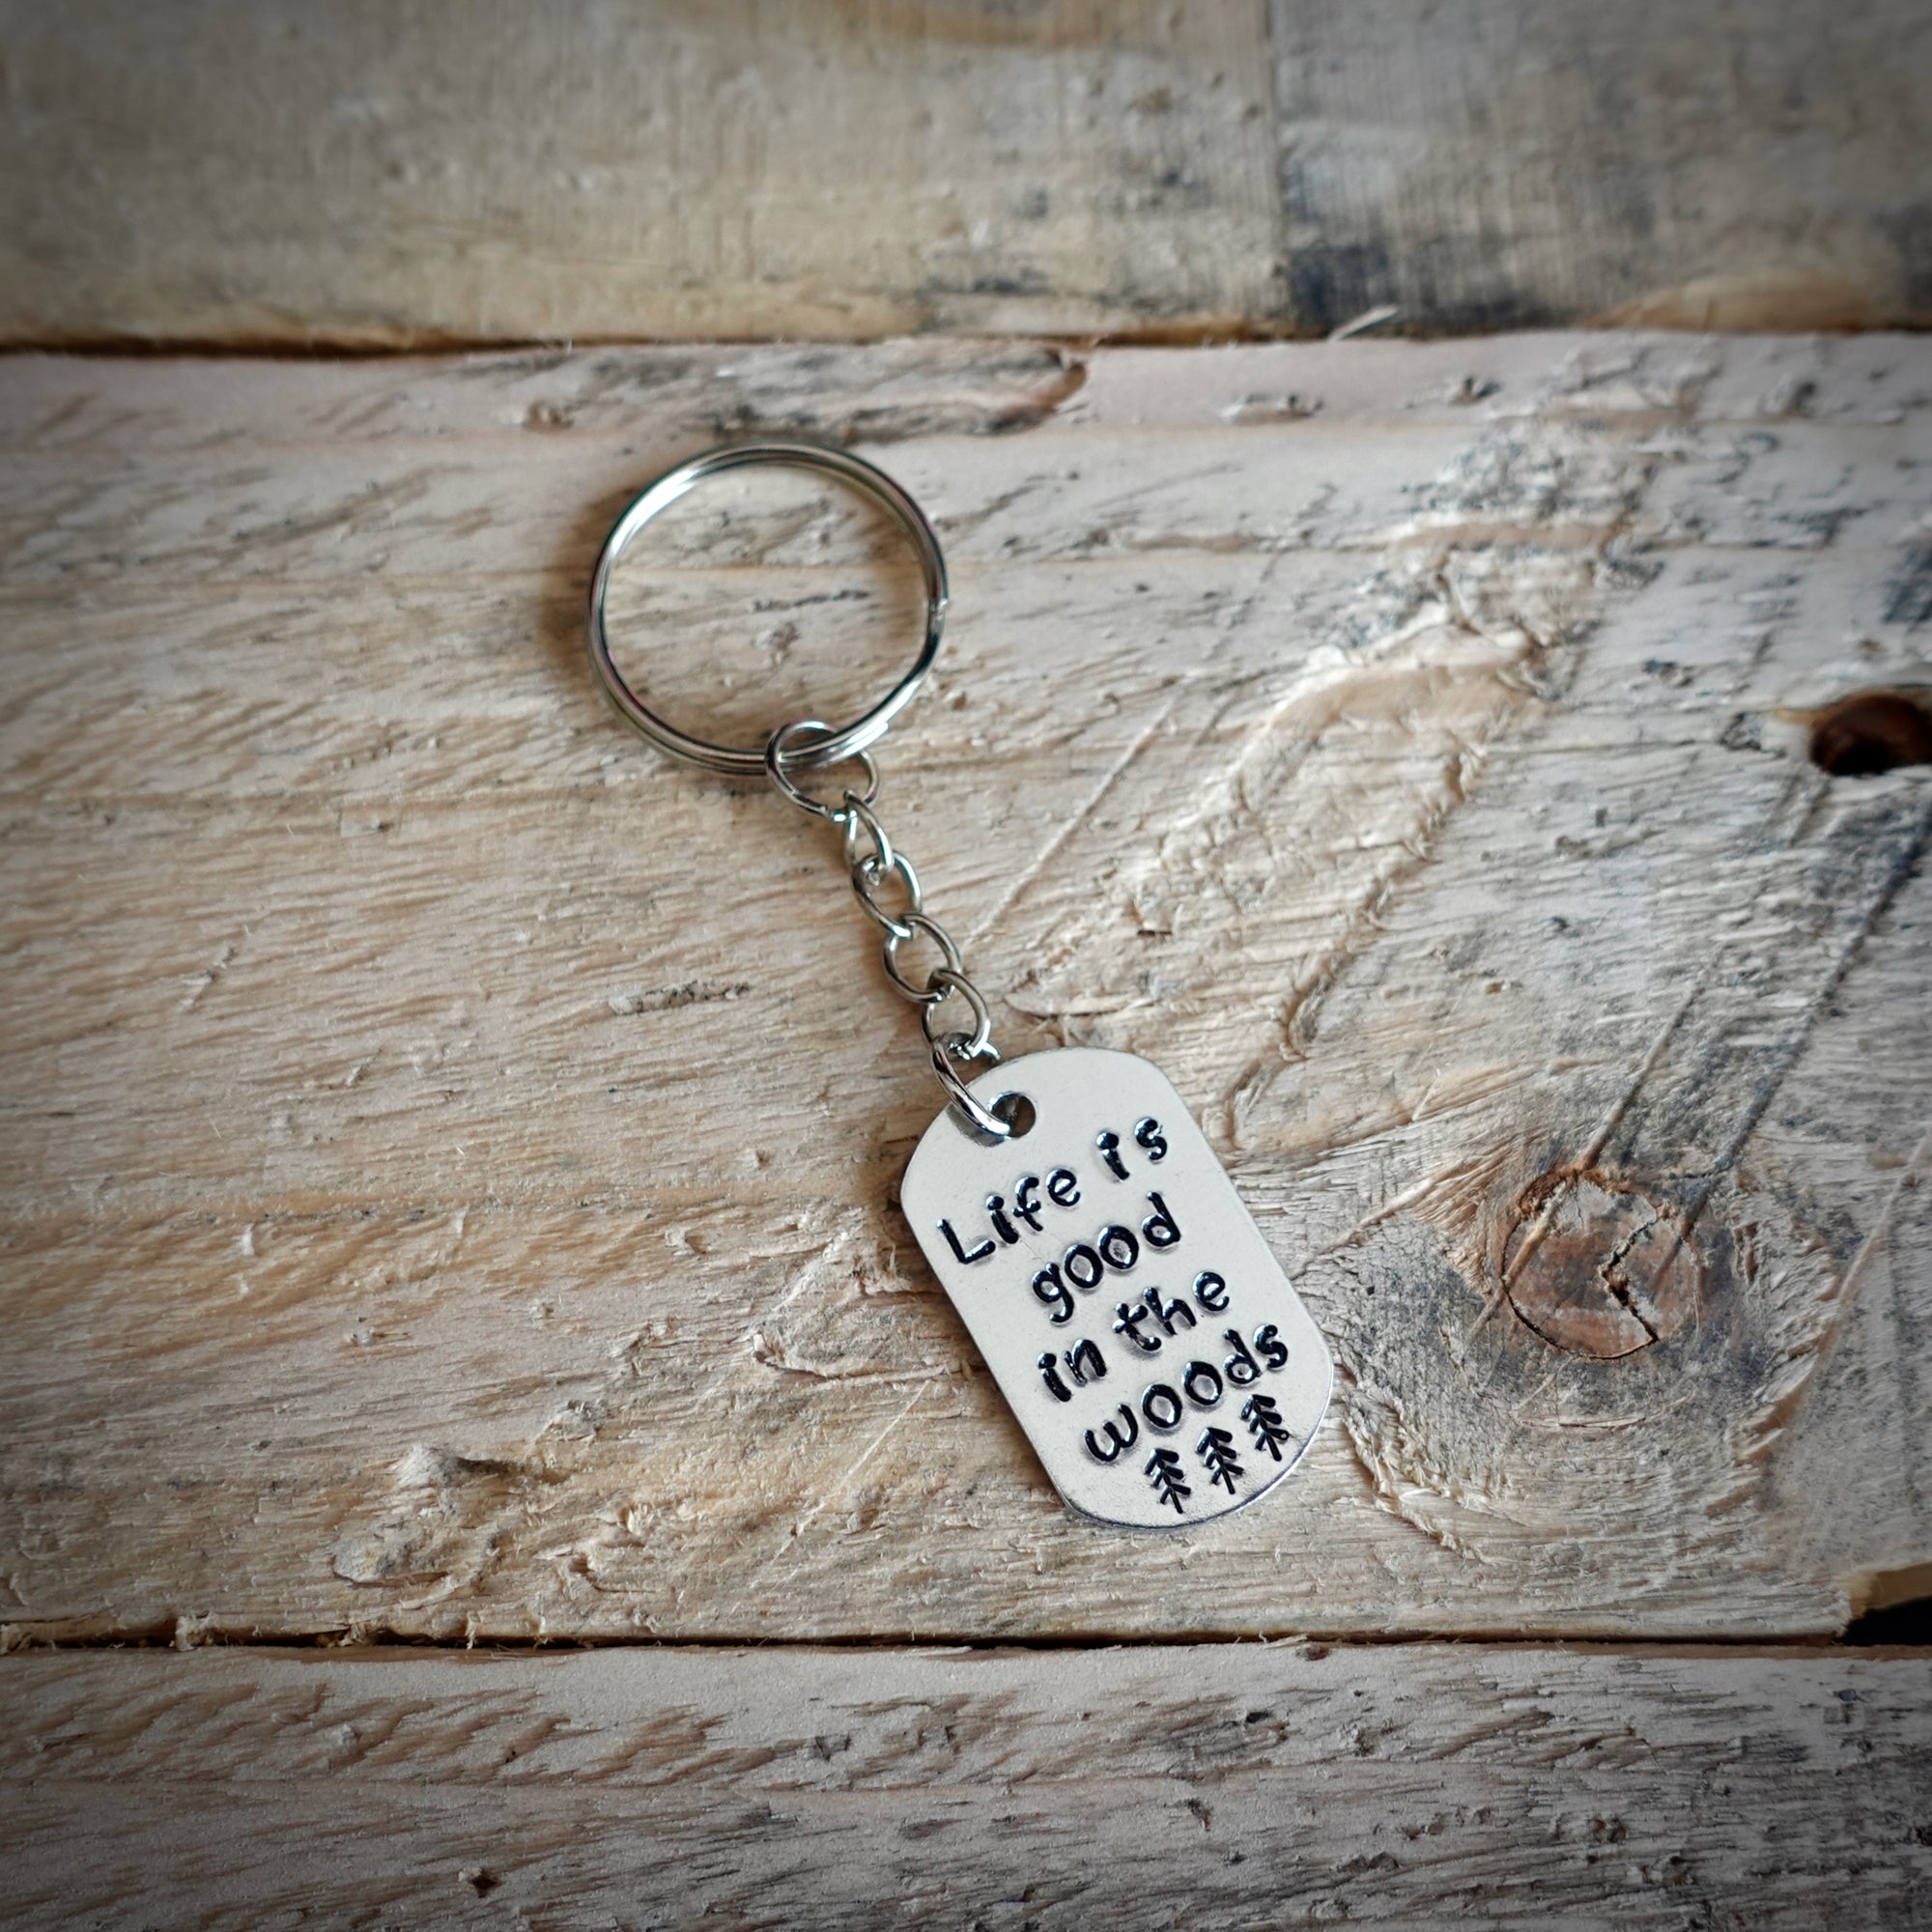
point(843, 740)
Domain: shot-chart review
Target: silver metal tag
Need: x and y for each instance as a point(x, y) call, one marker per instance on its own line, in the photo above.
point(1130, 1311)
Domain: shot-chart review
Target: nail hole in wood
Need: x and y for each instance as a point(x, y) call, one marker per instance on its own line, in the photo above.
point(1871, 731)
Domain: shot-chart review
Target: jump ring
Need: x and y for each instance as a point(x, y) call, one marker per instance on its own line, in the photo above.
point(926, 995)
point(982, 1118)
point(959, 1045)
point(867, 876)
point(855, 816)
point(778, 750)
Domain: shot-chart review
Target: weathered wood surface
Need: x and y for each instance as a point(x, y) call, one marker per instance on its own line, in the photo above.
point(448, 1156)
point(1223, 1785)
point(1513, 163)
point(346, 174)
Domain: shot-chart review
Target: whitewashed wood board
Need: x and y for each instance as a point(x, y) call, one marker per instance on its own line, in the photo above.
point(478, 173)
point(463, 171)
point(1215, 1786)
point(1485, 165)
point(449, 1155)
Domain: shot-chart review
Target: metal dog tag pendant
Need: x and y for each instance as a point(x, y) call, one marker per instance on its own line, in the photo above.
point(1130, 1311)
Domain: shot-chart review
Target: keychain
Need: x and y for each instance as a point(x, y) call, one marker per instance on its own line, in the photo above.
point(1161, 1365)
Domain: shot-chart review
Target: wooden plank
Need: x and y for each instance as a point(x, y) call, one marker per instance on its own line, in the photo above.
point(1225, 1785)
point(449, 1153)
point(1503, 165)
point(336, 173)
point(347, 175)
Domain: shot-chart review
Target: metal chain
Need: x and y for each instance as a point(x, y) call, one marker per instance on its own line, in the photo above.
point(875, 866)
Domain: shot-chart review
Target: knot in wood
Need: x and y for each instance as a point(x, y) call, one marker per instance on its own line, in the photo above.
point(1597, 1268)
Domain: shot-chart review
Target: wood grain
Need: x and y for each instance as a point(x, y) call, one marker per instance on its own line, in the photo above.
point(449, 1153)
point(1514, 163)
point(353, 174)
point(1219, 1786)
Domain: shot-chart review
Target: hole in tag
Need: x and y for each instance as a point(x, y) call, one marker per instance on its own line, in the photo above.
point(1017, 1112)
